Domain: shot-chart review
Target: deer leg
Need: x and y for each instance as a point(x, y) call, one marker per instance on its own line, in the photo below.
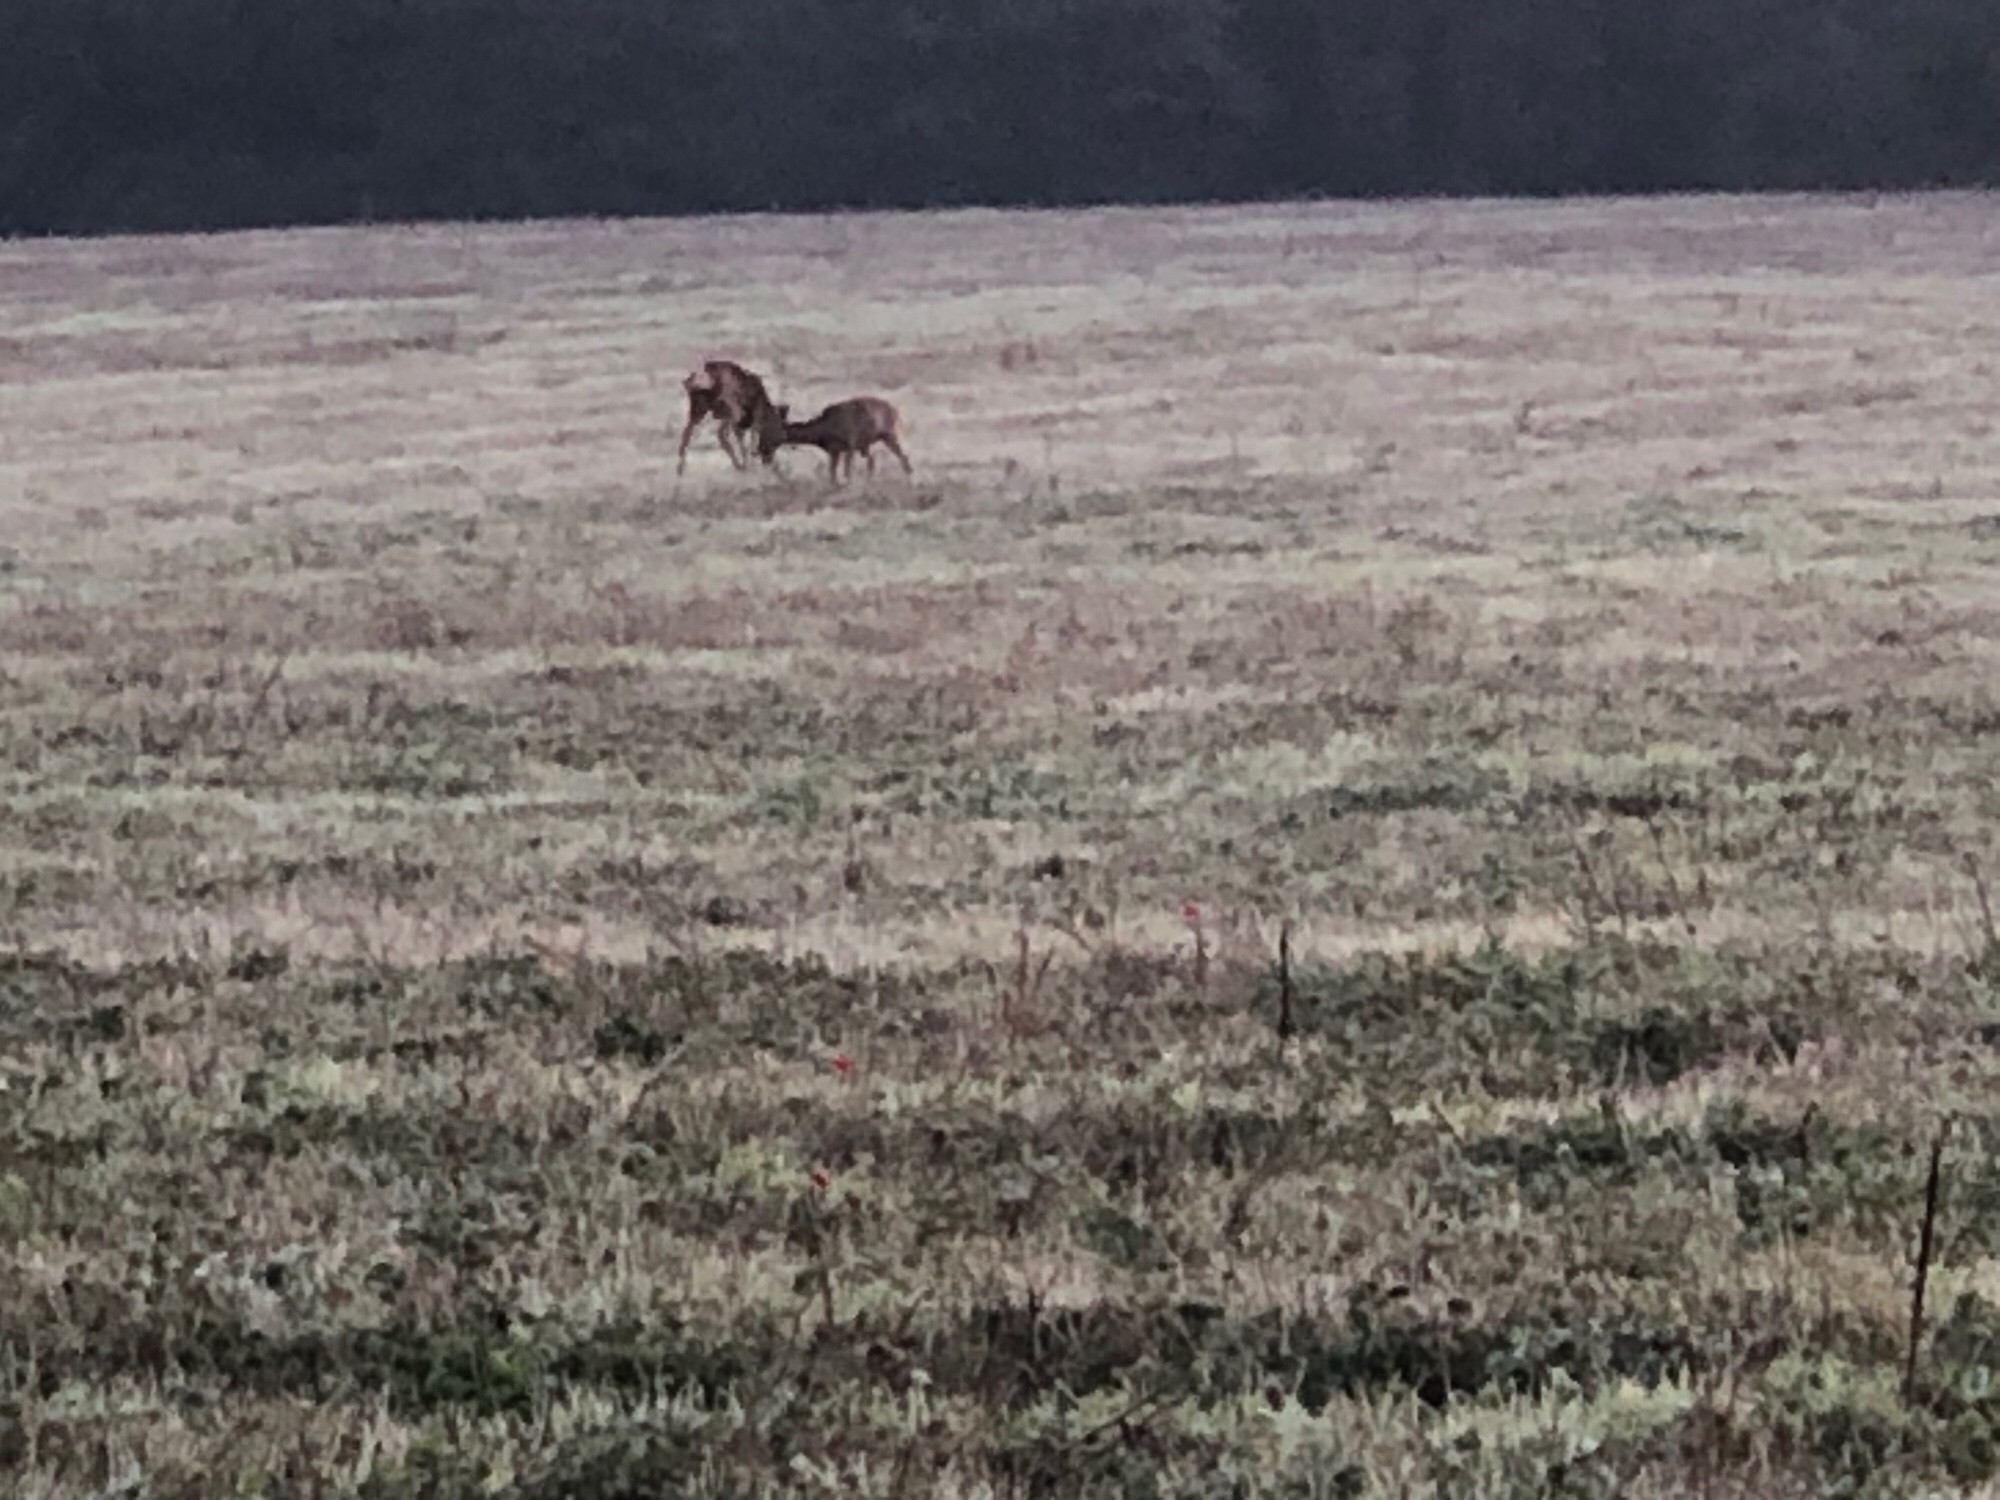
point(687, 436)
point(833, 465)
point(744, 434)
point(897, 449)
point(729, 423)
point(701, 406)
point(727, 420)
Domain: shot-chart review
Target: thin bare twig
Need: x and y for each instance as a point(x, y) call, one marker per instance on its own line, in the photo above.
point(1985, 902)
point(1286, 1027)
point(1593, 898)
point(1673, 884)
point(1925, 1240)
point(1120, 1420)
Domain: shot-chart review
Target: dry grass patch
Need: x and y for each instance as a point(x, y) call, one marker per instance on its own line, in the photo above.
point(519, 975)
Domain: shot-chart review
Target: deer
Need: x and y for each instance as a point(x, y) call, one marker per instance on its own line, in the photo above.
point(724, 390)
point(841, 431)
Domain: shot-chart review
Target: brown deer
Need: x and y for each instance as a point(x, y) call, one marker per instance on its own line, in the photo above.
point(740, 405)
point(841, 431)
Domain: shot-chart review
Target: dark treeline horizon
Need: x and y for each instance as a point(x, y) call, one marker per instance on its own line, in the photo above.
point(119, 115)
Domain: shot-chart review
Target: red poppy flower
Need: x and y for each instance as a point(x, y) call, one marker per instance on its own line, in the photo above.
point(821, 1177)
point(842, 1064)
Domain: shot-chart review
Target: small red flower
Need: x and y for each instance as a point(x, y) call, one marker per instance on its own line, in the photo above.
point(1191, 913)
point(842, 1064)
point(821, 1178)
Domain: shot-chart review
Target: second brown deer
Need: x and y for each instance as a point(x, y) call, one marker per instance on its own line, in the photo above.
point(841, 431)
point(724, 390)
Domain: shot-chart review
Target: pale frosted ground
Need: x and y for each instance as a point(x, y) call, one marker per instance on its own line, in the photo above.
point(1458, 361)
point(1370, 567)
point(1136, 432)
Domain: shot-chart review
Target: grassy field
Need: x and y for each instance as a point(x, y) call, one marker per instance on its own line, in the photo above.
point(521, 976)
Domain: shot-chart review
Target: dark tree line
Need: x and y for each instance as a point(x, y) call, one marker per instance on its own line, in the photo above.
point(169, 114)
